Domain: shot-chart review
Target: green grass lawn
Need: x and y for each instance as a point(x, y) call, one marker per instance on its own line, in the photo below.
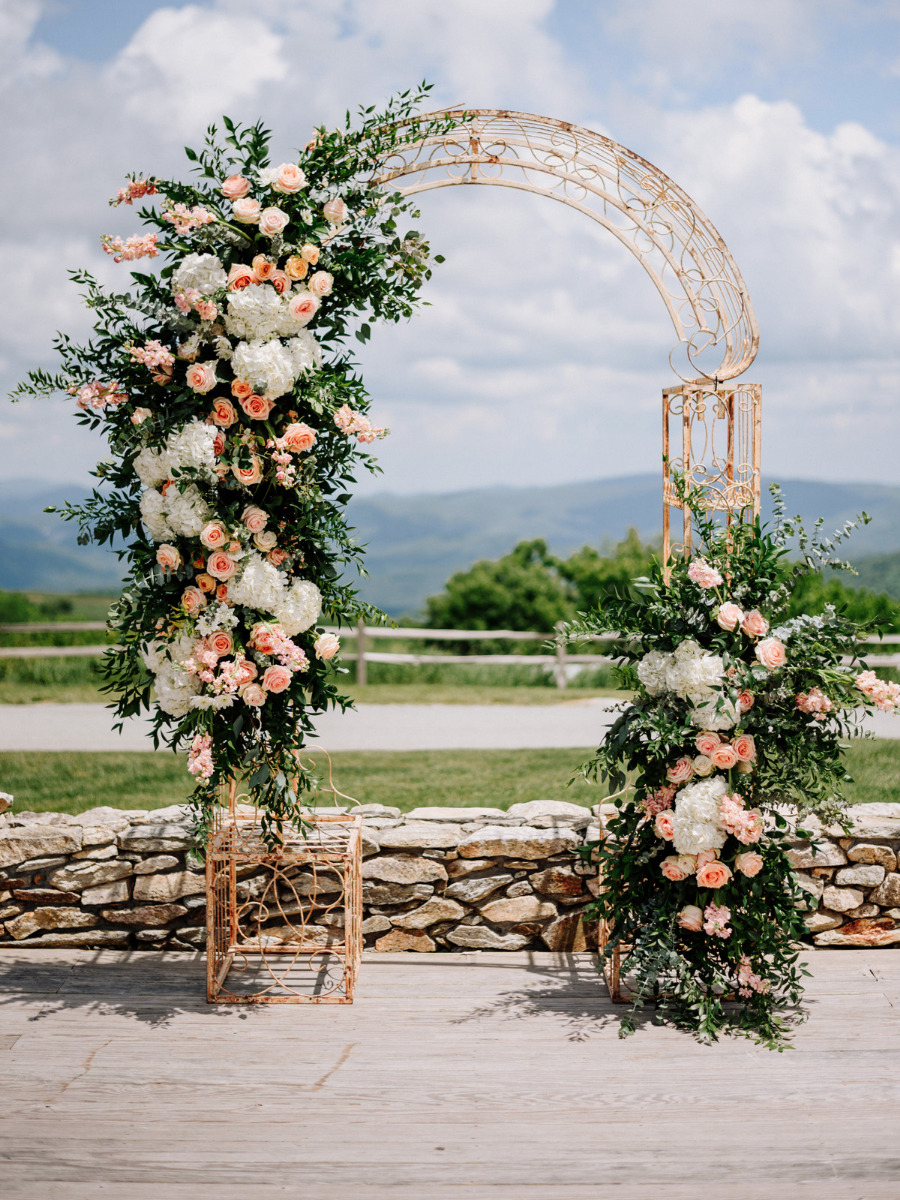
point(73, 782)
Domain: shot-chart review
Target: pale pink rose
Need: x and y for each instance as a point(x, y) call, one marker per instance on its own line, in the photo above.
point(298, 437)
point(221, 643)
point(256, 407)
point(220, 565)
point(223, 413)
point(745, 701)
point(691, 918)
point(303, 306)
point(234, 547)
point(707, 742)
point(168, 557)
point(253, 695)
point(664, 826)
point(749, 863)
point(192, 600)
point(755, 624)
point(745, 747)
point(254, 518)
point(771, 654)
point(280, 281)
point(729, 616)
point(724, 757)
point(296, 267)
point(309, 253)
point(262, 639)
point(263, 267)
point(705, 576)
point(277, 679)
point(681, 772)
point(235, 186)
point(205, 582)
point(265, 541)
point(321, 283)
point(276, 557)
point(272, 221)
point(289, 179)
point(213, 535)
point(705, 857)
point(240, 277)
point(249, 475)
point(246, 672)
point(672, 869)
point(713, 875)
point(703, 765)
point(140, 415)
point(201, 377)
point(246, 210)
point(335, 211)
point(327, 645)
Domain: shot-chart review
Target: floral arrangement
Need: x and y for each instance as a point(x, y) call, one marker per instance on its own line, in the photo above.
point(734, 730)
point(236, 421)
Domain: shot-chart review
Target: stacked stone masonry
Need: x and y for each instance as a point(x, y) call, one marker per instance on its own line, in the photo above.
point(434, 879)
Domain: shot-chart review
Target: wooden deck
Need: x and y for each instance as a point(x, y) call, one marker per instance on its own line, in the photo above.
point(482, 1076)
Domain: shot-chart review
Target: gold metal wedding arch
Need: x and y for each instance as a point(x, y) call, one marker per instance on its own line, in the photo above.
point(711, 427)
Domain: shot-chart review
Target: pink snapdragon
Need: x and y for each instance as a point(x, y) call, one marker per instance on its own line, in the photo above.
point(98, 395)
point(185, 219)
point(191, 298)
point(744, 824)
point(153, 355)
point(705, 576)
point(271, 639)
point(354, 424)
point(879, 692)
point(136, 189)
point(132, 248)
point(748, 981)
point(658, 801)
point(717, 918)
point(200, 756)
point(815, 703)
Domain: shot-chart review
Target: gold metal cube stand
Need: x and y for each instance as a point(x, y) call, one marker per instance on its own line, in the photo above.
point(284, 923)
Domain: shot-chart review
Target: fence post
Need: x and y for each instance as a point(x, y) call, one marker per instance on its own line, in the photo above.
point(361, 653)
point(560, 668)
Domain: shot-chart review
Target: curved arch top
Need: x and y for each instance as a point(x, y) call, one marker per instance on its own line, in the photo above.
point(677, 245)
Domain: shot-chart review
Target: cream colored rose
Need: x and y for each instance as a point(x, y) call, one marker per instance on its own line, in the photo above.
point(729, 616)
point(335, 211)
point(235, 186)
point(321, 283)
point(691, 918)
point(672, 869)
point(750, 863)
point(771, 654)
point(254, 518)
point(326, 645)
point(253, 695)
point(703, 765)
point(289, 179)
point(265, 541)
point(309, 253)
point(246, 210)
point(272, 221)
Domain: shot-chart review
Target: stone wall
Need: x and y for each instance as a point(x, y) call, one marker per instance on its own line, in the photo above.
point(434, 879)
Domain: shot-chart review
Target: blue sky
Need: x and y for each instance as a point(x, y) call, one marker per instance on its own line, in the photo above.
point(544, 350)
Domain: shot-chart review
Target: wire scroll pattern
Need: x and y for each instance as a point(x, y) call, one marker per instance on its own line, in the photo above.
point(685, 256)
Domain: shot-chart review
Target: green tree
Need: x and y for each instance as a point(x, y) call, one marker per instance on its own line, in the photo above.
point(811, 593)
point(593, 576)
point(15, 607)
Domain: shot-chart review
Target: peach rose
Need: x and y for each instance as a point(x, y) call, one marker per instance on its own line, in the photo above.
point(213, 535)
point(771, 654)
point(205, 582)
point(296, 267)
point(168, 557)
point(681, 772)
point(704, 857)
point(263, 267)
point(703, 765)
point(254, 518)
point(672, 869)
point(235, 186)
point(299, 436)
point(729, 616)
point(192, 600)
point(249, 475)
point(219, 443)
point(276, 557)
point(234, 547)
point(201, 377)
point(691, 918)
point(277, 679)
point(724, 757)
point(707, 742)
point(281, 282)
point(321, 283)
point(256, 407)
point(253, 694)
point(335, 211)
point(223, 413)
point(241, 276)
point(745, 768)
point(309, 253)
point(240, 388)
point(749, 863)
point(327, 645)
point(220, 642)
point(745, 748)
point(713, 875)
point(664, 826)
point(246, 672)
point(265, 541)
point(745, 701)
point(272, 221)
point(246, 210)
point(755, 624)
point(303, 306)
point(261, 639)
point(220, 565)
point(222, 594)
point(140, 415)
point(289, 179)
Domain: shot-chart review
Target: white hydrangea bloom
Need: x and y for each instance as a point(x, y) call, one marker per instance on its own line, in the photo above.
point(651, 671)
point(694, 673)
point(201, 271)
point(715, 714)
point(223, 700)
point(175, 689)
point(152, 467)
point(260, 585)
point(299, 607)
point(304, 351)
point(154, 655)
point(266, 365)
point(696, 816)
point(193, 446)
point(255, 313)
point(153, 514)
point(222, 347)
point(186, 512)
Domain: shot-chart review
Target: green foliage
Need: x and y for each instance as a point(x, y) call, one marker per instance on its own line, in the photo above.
point(15, 607)
point(593, 577)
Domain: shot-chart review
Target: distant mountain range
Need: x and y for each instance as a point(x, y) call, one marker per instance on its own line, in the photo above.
point(416, 542)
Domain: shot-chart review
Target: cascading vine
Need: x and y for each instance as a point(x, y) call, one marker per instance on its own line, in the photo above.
point(236, 421)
